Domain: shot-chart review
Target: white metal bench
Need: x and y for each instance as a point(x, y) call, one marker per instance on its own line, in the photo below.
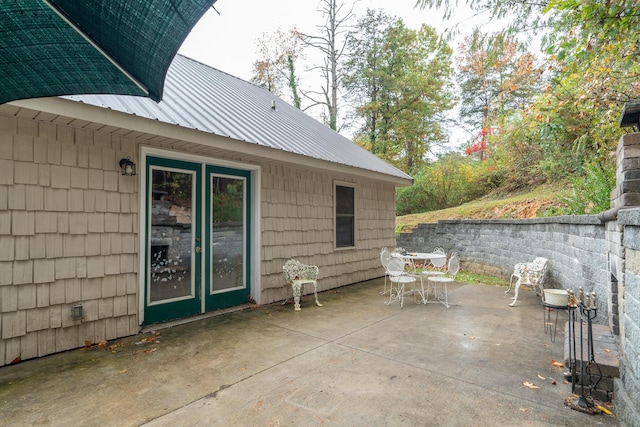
point(530, 274)
point(296, 274)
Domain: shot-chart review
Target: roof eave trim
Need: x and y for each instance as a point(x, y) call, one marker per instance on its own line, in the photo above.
point(95, 114)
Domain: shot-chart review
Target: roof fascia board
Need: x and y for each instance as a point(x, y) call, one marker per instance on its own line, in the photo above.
point(105, 116)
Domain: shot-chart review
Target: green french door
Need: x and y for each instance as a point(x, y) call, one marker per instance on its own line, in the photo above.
point(227, 237)
point(197, 234)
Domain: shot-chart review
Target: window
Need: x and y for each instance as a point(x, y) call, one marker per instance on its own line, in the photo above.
point(345, 217)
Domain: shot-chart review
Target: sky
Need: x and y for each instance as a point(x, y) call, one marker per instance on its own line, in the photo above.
point(226, 38)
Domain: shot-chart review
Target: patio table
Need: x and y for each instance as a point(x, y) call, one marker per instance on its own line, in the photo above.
point(413, 259)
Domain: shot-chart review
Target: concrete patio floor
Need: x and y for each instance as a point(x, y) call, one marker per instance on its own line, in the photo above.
point(353, 362)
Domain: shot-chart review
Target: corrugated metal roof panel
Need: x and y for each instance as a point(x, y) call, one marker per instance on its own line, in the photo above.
point(200, 97)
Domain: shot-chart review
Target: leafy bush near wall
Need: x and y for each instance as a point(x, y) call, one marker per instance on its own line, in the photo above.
point(591, 190)
point(450, 181)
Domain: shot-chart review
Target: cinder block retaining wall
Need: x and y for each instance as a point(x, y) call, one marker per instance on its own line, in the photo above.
point(574, 245)
point(601, 254)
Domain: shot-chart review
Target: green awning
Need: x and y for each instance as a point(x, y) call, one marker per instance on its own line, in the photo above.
point(65, 47)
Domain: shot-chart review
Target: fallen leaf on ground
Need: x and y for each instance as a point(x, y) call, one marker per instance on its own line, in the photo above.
point(150, 350)
point(88, 343)
point(123, 371)
point(524, 409)
point(529, 385)
point(541, 377)
point(557, 364)
point(102, 343)
point(606, 350)
point(604, 410)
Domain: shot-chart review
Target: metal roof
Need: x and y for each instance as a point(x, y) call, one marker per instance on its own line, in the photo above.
point(200, 97)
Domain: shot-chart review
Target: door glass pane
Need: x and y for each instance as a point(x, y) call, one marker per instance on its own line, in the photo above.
point(228, 232)
point(170, 262)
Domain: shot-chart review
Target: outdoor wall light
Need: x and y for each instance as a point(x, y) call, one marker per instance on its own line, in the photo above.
point(77, 312)
point(128, 167)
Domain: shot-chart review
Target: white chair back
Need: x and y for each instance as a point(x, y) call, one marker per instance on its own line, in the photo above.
point(385, 257)
point(439, 263)
point(454, 265)
point(395, 267)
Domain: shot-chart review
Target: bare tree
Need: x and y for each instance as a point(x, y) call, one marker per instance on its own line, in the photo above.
point(331, 42)
point(275, 69)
